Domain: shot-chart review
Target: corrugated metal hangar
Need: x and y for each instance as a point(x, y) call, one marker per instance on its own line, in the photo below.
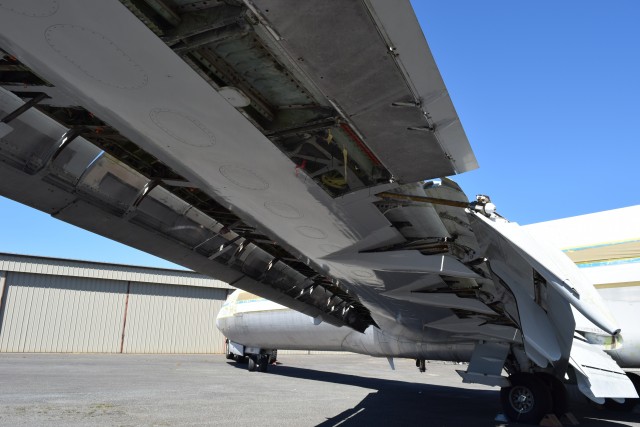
point(59, 305)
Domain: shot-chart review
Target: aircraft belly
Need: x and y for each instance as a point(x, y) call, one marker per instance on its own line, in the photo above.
point(283, 330)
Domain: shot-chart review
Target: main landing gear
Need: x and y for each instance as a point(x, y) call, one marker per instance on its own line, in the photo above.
point(532, 396)
point(258, 362)
point(257, 359)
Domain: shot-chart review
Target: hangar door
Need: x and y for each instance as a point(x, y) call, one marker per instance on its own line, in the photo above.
point(49, 313)
point(173, 319)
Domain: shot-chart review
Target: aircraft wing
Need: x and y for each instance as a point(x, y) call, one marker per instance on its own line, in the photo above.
point(196, 132)
point(278, 145)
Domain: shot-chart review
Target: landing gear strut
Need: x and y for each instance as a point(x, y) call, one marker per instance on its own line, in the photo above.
point(420, 364)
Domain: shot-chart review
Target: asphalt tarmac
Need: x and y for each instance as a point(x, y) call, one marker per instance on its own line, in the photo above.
point(316, 390)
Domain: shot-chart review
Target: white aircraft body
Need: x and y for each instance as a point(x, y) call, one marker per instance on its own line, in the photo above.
point(282, 146)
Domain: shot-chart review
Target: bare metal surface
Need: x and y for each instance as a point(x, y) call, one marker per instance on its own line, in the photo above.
point(327, 390)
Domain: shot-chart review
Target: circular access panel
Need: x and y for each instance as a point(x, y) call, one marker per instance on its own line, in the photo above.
point(234, 96)
point(182, 127)
point(283, 210)
point(311, 232)
point(329, 248)
point(96, 56)
point(243, 177)
point(31, 8)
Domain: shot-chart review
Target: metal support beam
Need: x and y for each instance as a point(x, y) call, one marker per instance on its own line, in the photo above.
point(224, 230)
point(144, 192)
point(194, 42)
point(201, 21)
point(224, 247)
point(308, 127)
point(38, 96)
point(54, 151)
point(165, 11)
point(178, 183)
point(421, 199)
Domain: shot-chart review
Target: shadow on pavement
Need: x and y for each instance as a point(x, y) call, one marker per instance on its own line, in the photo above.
point(401, 403)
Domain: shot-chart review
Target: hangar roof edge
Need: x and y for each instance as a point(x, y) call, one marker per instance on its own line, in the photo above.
point(36, 264)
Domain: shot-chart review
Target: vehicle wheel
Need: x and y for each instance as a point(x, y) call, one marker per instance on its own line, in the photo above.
point(252, 364)
point(628, 404)
point(240, 359)
point(273, 357)
point(230, 356)
point(559, 394)
point(527, 399)
point(263, 362)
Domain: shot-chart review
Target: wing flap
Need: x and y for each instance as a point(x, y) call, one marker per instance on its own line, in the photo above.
point(405, 261)
point(442, 300)
point(599, 376)
point(383, 78)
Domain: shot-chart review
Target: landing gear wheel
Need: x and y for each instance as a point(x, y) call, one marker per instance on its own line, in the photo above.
point(263, 362)
point(559, 394)
point(252, 364)
point(240, 359)
point(527, 399)
point(628, 404)
point(230, 356)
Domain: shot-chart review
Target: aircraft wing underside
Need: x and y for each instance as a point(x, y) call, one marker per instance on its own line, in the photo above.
point(279, 146)
point(195, 132)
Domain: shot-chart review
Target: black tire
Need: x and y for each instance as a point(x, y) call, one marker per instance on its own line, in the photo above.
point(527, 399)
point(559, 394)
point(252, 366)
point(230, 356)
point(240, 359)
point(263, 362)
point(628, 404)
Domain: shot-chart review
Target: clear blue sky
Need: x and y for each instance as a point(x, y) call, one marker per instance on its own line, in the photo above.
point(548, 93)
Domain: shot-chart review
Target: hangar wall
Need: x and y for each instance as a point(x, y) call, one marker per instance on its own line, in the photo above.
point(58, 305)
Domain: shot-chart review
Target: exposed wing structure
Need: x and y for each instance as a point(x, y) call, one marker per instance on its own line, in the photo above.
point(279, 146)
point(196, 131)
